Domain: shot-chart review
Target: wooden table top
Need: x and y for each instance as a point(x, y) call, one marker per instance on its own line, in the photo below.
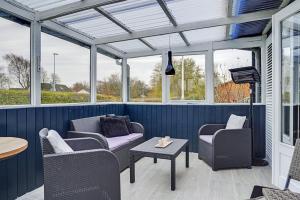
point(11, 146)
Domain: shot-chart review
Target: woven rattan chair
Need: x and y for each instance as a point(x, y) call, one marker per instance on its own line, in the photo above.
point(294, 173)
point(90, 172)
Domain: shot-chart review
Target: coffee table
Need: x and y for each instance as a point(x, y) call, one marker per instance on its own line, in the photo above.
point(148, 149)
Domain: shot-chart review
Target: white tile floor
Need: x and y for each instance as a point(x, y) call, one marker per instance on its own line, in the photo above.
point(198, 182)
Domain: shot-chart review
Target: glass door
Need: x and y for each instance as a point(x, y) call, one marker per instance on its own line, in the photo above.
point(290, 60)
point(285, 86)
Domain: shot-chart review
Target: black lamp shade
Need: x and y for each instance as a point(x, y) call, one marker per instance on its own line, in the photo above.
point(170, 71)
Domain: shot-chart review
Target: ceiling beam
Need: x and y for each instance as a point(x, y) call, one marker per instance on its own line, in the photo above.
point(248, 42)
point(229, 14)
point(121, 25)
point(166, 10)
point(72, 8)
point(111, 50)
point(255, 16)
point(16, 10)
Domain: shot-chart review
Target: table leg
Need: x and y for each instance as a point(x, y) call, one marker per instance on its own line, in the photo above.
point(132, 168)
point(155, 159)
point(187, 156)
point(173, 174)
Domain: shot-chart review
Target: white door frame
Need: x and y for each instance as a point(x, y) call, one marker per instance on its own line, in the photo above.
point(282, 152)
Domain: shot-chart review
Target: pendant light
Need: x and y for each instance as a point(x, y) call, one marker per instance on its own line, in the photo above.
point(170, 71)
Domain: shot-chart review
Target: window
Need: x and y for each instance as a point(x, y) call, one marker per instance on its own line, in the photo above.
point(145, 79)
point(14, 63)
point(189, 80)
point(109, 81)
point(65, 71)
point(225, 91)
point(290, 80)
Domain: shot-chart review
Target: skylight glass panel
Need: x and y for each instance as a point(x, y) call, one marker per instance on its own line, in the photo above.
point(186, 11)
point(130, 46)
point(162, 41)
point(139, 15)
point(41, 5)
point(92, 23)
point(206, 35)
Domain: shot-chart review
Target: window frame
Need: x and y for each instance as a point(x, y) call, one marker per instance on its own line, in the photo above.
point(262, 75)
point(68, 40)
point(195, 53)
point(27, 23)
point(96, 78)
point(128, 100)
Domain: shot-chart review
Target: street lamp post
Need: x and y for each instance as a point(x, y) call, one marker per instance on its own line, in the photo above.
point(54, 75)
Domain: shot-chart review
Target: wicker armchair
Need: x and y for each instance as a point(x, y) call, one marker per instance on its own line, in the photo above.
point(294, 173)
point(91, 172)
point(225, 148)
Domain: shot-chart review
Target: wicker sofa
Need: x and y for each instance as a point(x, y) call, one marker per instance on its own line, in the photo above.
point(77, 175)
point(120, 146)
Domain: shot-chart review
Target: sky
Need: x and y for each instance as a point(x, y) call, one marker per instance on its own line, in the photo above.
point(73, 61)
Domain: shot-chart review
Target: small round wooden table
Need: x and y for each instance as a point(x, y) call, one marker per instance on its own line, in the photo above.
point(11, 146)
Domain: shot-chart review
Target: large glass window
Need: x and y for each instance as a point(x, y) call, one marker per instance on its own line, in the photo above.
point(145, 79)
point(189, 80)
point(290, 79)
point(65, 71)
point(109, 81)
point(225, 90)
point(14, 63)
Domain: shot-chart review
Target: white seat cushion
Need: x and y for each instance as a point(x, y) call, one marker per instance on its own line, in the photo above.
point(57, 143)
point(206, 138)
point(235, 122)
point(116, 142)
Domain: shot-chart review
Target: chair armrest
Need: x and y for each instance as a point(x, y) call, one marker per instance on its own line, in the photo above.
point(232, 140)
point(90, 174)
point(97, 136)
point(210, 129)
point(79, 144)
point(137, 127)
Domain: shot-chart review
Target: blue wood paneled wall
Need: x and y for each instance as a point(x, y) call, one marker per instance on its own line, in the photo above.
point(183, 121)
point(23, 173)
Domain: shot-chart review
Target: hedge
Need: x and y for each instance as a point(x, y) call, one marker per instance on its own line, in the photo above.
point(21, 97)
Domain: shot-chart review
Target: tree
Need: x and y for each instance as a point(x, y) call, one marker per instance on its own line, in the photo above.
point(225, 90)
point(76, 87)
point(138, 89)
point(19, 68)
point(55, 78)
point(44, 76)
point(193, 80)
point(110, 86)
point(4, 81)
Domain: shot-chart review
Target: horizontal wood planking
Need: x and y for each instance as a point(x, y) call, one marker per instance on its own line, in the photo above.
point(24, 172)
point(183, 121)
